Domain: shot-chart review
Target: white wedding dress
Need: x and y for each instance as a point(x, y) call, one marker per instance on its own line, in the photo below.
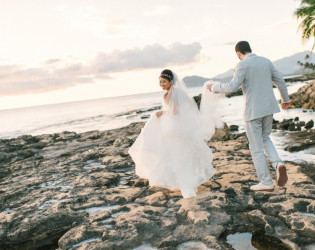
point(171, 151)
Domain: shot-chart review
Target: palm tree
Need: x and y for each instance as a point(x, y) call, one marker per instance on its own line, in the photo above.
point(306, 12)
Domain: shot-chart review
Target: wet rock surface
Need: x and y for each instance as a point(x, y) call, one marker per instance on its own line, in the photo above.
point(79, 191)
point(297, 141)
point(234, 127)
point(301, 135)
point(236, 93)
point(292, 124)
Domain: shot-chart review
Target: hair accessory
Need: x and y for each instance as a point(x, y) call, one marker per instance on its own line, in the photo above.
point(167, 76)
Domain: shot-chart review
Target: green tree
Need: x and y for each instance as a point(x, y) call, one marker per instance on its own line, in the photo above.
point(306, 12)
point(307, 65)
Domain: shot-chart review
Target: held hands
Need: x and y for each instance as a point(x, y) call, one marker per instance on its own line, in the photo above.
point(159, 113)
point(209, 86)
point(285, 105)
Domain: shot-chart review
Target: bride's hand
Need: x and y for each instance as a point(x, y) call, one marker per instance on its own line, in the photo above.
point(159, 113)
point(285, 105)
point(210, 87)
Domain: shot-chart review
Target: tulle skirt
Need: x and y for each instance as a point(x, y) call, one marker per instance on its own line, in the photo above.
point(171, 153)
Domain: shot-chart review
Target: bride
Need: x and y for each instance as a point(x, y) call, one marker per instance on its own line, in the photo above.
point(171, 150)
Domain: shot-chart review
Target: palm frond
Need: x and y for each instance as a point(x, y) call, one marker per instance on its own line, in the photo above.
point(306, 13)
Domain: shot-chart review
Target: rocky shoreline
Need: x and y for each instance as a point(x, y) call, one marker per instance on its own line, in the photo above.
point(79, 191)
point(304, 97)
point(302, 78)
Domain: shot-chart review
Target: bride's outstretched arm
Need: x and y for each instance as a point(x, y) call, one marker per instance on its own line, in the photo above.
point(171, 104)
point(161, 112)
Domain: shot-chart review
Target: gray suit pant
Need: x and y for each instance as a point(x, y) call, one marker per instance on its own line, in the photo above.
point(258, 132)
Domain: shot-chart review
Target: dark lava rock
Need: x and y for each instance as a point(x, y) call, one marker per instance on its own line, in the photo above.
point(145, 117)
point(300, 140)
point(234, 128)
point(198, 99)
point(309, 124)
point(80, 191)
point(237, 93)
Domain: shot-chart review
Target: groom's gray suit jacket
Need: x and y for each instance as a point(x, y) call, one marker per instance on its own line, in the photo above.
point(255, 75)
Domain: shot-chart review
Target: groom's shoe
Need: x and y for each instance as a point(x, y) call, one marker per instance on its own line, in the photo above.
point(282, 177)
point(262, 187)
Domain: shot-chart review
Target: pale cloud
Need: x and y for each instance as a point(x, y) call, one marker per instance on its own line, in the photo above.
point(151, 56)
point(37, 80)
point(52, 61)
point(8, 69)
point(158, 11)
point(57, 74)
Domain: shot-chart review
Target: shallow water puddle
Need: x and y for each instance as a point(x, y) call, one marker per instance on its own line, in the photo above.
point(196, 245)
point(8, 210)
point(309, 215)
point(258, 240)
point(107, 222)
point(49, 203)
point(50, 183)
point(310, 247)
point(92, 164)
point(94, 210)
point(85, 242)
point(123, 183)
point(145, 247)
point(240, 241)
point(56, 184)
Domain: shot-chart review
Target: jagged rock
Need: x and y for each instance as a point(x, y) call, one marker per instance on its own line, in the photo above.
point(309, 124)
point(304, 97)
point(79, 234)
point(198, 99)
point(145, 116)
point(38, 229)
point(236, 93)
point(300, 140)
point(233, 128)
point(292, 124)
point(221, 133)
point(81, 191)
point(156, 199)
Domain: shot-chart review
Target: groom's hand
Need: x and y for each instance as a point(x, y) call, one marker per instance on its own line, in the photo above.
point(285, 105)
point(210, 87)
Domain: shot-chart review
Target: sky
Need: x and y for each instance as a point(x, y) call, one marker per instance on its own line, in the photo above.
point(69, 50)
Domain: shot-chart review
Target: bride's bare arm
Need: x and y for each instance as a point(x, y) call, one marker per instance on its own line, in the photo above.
point(172, 107)
point(160, 113)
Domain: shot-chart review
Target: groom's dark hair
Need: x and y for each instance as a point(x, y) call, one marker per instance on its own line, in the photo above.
point(243, 47)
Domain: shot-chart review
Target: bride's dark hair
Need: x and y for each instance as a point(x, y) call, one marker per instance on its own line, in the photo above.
point(167, 74)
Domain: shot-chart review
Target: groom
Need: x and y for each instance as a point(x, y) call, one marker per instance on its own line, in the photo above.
point(255, 75)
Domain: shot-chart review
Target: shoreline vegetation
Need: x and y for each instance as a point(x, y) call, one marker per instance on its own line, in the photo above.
point(301, 78)
point(292, 79)
point(68, 190)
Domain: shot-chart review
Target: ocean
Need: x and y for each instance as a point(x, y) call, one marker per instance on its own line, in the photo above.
point(116, 112)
